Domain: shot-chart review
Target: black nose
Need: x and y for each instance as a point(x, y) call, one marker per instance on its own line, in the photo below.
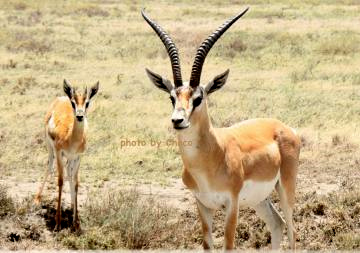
point(177, 121)
point(79, 118)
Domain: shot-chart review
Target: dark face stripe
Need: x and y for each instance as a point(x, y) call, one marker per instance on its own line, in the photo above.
point(200, 97)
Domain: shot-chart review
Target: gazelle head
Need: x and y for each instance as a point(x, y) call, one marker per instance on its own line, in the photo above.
point(80, 102)
point(188, 98)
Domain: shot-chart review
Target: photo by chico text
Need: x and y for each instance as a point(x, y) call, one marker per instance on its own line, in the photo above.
point(124, 143)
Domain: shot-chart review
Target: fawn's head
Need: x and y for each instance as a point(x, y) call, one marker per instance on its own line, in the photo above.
point(80, 102)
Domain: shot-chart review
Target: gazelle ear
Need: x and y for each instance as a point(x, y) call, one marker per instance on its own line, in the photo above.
point(217, 82)
point(159, 81)
point(69, 91)
point(94, 89)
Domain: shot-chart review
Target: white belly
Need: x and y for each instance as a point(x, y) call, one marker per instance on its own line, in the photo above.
point(253, 192)
point(213, 200)
point(207, 196)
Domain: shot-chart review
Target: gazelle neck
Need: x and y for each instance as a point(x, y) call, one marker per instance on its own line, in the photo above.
point(199, 138)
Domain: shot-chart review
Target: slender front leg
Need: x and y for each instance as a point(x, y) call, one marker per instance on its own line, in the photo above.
point(231, 223)
point(69, 169)
point(206, 217)
point(60, 184)
point(74, 186)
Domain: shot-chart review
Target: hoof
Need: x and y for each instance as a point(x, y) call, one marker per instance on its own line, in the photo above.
point(37, 200)
point(57, 228)
point(76, 228)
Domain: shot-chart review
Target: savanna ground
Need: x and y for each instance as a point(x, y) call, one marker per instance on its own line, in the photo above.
point(298, 61)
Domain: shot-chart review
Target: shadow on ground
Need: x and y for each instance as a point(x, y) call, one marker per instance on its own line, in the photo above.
point(48, 213)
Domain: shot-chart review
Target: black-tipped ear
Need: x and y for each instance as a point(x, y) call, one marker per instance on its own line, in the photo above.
point(69, 91)
point(94, 89)
point(217, 82)
point(159, 81)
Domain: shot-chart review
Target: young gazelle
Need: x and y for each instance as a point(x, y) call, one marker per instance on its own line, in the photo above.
point(234, 166)
point(65, 130)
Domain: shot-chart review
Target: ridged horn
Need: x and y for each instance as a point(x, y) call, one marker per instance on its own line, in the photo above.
point(206, 46)
point(170, 47)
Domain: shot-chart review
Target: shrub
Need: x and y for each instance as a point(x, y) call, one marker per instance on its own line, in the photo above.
point(340, 44)
point(92, 11)
point(7, 205)
point(28, 42)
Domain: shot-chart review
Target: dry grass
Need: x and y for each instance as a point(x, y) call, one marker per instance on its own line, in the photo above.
point(340, 43)
point(6, 203)
point(129, 220)
point(121, 219)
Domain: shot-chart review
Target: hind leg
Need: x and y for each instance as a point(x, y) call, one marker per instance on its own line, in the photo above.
point(289, 146)
point(287, 204)
point(50, 169)
point(51, 164)
point(273, 220)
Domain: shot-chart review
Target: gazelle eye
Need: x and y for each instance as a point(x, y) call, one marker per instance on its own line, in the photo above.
point(172, 100)
point(73, 104)
point(87, 104)
point(197, 101)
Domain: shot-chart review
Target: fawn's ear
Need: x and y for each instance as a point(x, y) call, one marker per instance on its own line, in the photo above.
point(217, 82)
point(94, 89)
point(159, 81)
point(69, 91)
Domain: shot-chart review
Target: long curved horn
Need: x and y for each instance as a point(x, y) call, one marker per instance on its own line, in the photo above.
point(206, 46)
point(170, 47)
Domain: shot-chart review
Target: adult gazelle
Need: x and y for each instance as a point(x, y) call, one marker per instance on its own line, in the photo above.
point(234, 166)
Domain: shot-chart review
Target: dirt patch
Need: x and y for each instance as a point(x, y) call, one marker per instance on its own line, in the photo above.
point(175, 194)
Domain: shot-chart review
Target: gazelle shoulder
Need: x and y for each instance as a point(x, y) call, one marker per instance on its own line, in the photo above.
point(59, 118)
point(58, 104)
